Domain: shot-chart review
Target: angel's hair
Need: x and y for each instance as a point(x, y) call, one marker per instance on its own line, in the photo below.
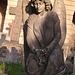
point(48, 5)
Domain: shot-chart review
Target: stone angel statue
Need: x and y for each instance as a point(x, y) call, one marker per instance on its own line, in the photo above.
point(44, 35)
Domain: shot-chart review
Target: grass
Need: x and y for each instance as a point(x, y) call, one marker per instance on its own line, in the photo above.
point(13, 69)
point(2, 68)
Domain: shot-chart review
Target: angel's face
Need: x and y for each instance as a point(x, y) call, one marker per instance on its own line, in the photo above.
point(40, 6)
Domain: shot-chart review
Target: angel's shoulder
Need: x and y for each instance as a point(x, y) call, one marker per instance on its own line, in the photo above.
point(32, 16)
point(31, 19)
point(52, 13)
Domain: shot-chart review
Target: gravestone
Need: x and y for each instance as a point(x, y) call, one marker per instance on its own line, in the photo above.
point(11, 52)
point(21, 16)
point(18, 21)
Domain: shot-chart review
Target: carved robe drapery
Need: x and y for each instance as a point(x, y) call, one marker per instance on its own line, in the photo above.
point(42, 33)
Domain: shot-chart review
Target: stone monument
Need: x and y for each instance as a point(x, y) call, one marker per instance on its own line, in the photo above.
point(42, 30)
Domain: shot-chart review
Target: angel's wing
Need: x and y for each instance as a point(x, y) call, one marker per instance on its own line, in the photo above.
point(24, 14)
point(59, 8)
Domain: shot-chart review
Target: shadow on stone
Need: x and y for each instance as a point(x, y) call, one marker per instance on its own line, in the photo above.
point(11, 52)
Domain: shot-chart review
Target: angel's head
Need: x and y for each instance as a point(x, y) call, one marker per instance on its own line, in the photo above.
point(40, 5)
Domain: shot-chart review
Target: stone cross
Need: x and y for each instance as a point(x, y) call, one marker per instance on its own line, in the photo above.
point(21, 17)
point(18, 21)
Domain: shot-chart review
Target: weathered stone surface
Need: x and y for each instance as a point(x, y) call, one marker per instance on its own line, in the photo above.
point(2, 37)
point(3, 52)
point(18, 22)
point(59, 8)
point(14, 52)
point(12, 10)
point(11, 27)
